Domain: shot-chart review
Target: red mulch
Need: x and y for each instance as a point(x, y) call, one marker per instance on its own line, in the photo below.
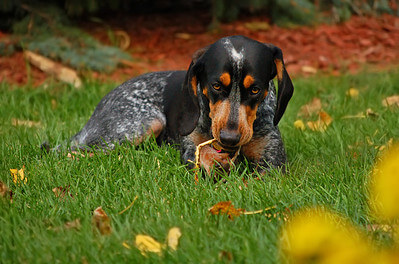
point(157, 44)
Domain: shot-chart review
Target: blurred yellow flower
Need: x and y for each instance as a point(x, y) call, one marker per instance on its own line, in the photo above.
point(384, 186)
point(353, 93)
point(298, 124)
point(319, 236)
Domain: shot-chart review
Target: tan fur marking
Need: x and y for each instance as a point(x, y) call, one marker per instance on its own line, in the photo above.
point(198, 138)
point(219, 114)
point(155, 129)
point(205, 91)
point(280, 69)
point(253, 150)
point(225, 79)
point(247, 116)
point(194, 85)
point(248, 81)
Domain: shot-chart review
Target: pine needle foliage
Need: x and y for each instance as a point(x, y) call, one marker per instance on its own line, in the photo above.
point(49, 32)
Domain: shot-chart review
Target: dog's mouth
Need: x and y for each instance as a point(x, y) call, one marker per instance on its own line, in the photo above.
point(222, 147)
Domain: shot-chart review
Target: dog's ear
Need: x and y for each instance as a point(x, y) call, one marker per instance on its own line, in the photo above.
point(189, 111)
point(285, 87)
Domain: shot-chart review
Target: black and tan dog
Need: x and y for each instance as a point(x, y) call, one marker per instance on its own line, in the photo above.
point(226, 94)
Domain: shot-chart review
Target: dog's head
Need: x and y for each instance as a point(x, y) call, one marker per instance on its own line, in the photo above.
point(233, 74)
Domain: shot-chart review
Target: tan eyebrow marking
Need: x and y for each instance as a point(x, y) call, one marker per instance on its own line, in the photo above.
point(248, 81)
point(225, 79)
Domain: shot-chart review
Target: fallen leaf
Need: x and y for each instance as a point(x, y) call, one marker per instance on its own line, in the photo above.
point(311, 108)
point(225, 256)
point(101, 221)
point(18, 176)
point(353, 93)
point(75, 224)
point(309, 69)
point(321, 124)
point(225, 208)
point(27, 123)
point(146, 244)
point(62, 191)
point(174, 235)
point(5, 192)
point(298, 124)
point(391, 101)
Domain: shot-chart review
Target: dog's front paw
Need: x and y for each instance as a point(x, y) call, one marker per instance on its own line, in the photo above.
point(211, 158)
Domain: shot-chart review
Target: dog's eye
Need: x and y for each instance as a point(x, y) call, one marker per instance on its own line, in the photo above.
point(217, 86)
point(255, 90)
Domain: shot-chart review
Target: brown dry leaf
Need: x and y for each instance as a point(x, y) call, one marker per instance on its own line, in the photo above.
point(353, 93)
point(311, 108)
point(391, 101)
point(60, 191)
point(321, 124)
point(309, 69)
point(225, 208)
point(298, 124)
point(18, 176)
point(225, 256)
point(174, 235)
point(27, 123)
point(101, 221)
point(74, 224)
point(146, 244)
point(5, 192)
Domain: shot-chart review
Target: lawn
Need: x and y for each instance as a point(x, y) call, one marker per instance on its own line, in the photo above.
point(328, 168)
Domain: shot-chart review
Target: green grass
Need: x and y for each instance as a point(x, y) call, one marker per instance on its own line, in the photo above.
point(329, 169)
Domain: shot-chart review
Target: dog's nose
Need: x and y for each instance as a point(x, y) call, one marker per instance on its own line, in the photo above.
point(229, 137)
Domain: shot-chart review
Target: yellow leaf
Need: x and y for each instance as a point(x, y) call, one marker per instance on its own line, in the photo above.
point(174, 235)
point(146, 244)
point(391, 101)
point(18, 176)
point(298, 124)
point(353, 93)
point(322, 123)
point(101, 221)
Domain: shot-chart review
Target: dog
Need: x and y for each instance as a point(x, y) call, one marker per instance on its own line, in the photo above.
point(227, 94)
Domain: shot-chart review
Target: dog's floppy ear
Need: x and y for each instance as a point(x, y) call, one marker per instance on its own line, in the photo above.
point(285, 87)
point(189, 105)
